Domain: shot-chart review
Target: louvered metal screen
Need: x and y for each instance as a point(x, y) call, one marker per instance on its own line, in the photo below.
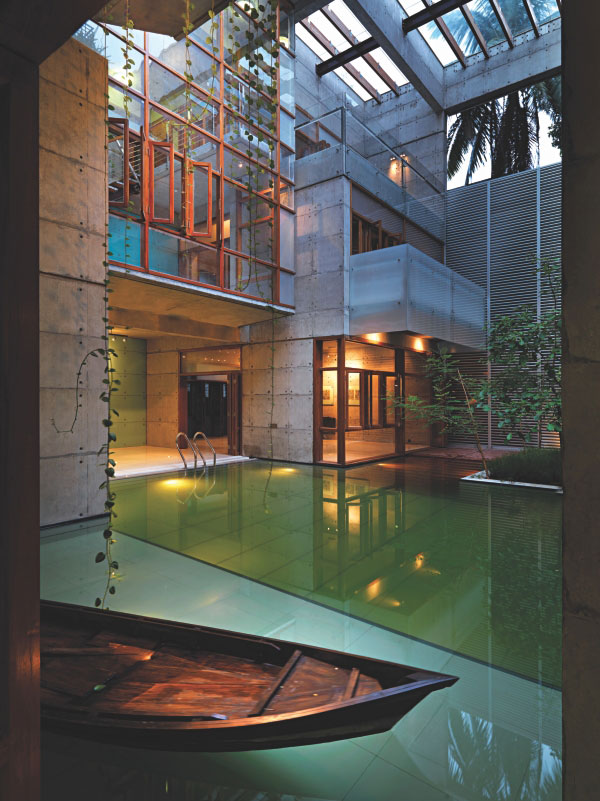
point(496, 233)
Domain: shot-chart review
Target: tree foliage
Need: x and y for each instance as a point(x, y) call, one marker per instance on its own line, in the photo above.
point(525, 389)
point(507, 130)
point(452, 402)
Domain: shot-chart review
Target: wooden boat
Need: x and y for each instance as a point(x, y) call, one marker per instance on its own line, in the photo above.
point(151, 683)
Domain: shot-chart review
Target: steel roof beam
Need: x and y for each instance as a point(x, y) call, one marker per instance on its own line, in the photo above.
point(430, 14)
point(324, 42)
point(344, 56)
point(411, 54)
point(351, 39)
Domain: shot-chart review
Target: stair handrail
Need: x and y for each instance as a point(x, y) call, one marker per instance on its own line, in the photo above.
point(208, 442)
point(193, 449)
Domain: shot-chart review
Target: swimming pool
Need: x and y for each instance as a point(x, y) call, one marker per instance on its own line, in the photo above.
point(471, 568)
point(396, 561)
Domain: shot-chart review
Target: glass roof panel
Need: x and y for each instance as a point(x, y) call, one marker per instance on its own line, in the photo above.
point(352, 83)
point(341, 10)
point(457, 25)
point(545, 10)
point(386, 63)
point(437, 43)
point(516, 16)
point(330, 31)
point(487, 21)
point(369, 74)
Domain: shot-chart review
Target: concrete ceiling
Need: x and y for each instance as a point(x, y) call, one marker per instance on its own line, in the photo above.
point(153, 310)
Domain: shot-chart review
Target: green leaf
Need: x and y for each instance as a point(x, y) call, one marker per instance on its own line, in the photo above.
point(99, 687)
point(112, 590)
point(100, 557)
point(97, 602)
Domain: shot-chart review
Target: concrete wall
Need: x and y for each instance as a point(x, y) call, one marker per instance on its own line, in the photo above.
point(162, 392)
point(72, 219)
point(130, 402)
point(322, 270)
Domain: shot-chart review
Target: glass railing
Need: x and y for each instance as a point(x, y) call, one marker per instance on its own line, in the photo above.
point(377, 167)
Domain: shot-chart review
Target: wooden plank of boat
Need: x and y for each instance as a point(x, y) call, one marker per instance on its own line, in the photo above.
point(151, 683)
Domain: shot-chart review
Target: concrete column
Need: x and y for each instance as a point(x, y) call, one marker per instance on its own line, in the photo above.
point(72, 235)
point(581, 394)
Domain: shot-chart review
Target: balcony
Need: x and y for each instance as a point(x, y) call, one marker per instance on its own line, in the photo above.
point(402, 289)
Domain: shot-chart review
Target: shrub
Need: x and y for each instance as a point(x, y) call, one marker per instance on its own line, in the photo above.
point(531, 465)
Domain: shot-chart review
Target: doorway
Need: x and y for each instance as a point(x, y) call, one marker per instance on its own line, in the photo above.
point(212, 405)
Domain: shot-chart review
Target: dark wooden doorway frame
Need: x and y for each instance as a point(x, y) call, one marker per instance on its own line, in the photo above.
point(234, 405)
point(342, 386)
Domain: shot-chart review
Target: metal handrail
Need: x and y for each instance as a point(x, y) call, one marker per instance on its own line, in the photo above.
point(193, 449)
point(208, 442)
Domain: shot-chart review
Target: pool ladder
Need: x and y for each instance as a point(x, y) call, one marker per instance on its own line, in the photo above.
point(196, 452)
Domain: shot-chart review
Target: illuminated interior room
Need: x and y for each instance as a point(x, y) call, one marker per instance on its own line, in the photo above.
point(272, 261)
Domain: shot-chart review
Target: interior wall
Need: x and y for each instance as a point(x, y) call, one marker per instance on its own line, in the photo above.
point(162, 391)
point(72, 235)
point(130, 402)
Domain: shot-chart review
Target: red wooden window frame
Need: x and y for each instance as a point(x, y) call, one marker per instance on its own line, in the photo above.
point(171, 156)
point(189, 168)
point(122, 204)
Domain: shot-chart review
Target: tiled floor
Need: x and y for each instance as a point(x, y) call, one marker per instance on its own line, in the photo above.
point(491, 736)
point(145, 459)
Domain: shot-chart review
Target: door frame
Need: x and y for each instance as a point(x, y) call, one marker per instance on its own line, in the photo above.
point(234, 406)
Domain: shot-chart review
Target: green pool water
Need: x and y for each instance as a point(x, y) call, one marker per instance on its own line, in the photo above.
point(471, 568)
point(400, 562)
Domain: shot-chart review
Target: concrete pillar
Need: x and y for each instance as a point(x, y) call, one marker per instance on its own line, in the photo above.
point(72, 234)
point(581, 393)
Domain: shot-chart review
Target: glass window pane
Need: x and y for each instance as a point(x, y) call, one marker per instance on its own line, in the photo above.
point(136, 37)
point(240, 50)
point(329, 413)
point(390, 394)
point(330, 353)
point(287, 163)
point(286, 195)
point(286, 288)
point(286, 80)
point(249, 140)
point(249, 277)
point(248, 224)
point(92, 36)
point(132, 77)
point(135, 107)
point(172, 255)
point(286, 129)
point(286, 239)
point(248, 102)
point(169, 90)
point(125, 237)
point(376, 387)
point(164, 128)
point(247, 173)
point(370, 357)
point(353, 416)
point(208, 35)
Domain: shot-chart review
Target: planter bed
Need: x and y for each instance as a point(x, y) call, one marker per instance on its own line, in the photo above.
point(480, 476)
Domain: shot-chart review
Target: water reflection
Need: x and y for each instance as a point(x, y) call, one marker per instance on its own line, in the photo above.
point(471, 568)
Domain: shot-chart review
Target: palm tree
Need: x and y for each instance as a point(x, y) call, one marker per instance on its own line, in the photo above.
point(506, 129)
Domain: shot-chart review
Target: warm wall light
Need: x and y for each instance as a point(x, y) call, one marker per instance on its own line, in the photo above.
point(418, 344)
point(373, 337)
point(373, 589)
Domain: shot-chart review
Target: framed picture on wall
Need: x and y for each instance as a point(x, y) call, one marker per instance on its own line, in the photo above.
point(327, 396)
point(353, 397)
